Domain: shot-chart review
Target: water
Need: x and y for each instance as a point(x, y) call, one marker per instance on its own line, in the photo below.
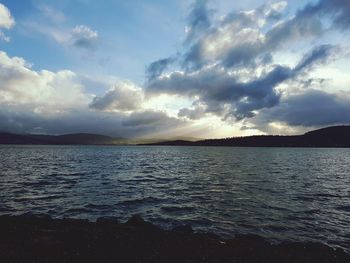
point(283, 194)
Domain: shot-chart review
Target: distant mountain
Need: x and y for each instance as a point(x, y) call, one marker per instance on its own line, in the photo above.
point(161, 140)
point(67, 139)
point(337, 136)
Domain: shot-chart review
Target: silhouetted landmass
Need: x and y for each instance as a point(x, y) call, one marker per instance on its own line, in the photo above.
point(67, 139)
point(337, 136)
point(77, 139)
point(160, 140)
point(42, 239)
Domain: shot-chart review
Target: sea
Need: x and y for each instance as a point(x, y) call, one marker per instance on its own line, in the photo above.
point(282, 194)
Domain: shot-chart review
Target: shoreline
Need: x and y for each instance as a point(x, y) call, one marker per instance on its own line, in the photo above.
point(328, 137)
point(30, 238)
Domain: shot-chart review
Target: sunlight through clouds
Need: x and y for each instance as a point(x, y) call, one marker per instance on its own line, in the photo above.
point(237, 69)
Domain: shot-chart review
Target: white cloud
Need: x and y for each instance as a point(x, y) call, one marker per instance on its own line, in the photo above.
point(124, 96)
point(236, 67)
point(81, 36)
point(52, 23)
point(57, 102)
point(276, 9)
point(45, 89)
point(230, 69)
point(6, 22)
point(4, 37)
point(84, 37)
point(54, 15)
point(6, 19)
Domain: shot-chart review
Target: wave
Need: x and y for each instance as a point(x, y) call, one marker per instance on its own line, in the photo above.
point(97, 206)
point(345, 208)
point(143, 200)
point(177, 208)
point(76, 210)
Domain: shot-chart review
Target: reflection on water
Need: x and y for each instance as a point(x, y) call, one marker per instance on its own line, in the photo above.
point(282, 194)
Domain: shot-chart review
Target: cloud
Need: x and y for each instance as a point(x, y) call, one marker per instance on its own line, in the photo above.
point(228, 65)
point(309, 22)
point(195, 113)
point(4, 37)
point(336, 10)
point(21, 119)
point(198, 20)
point(60, 35)
point(275, 10)
point(156, 68)
point(84, 37)
point(54, 15)
point(233, 67)
point(246, 38)
point(318, 55)
point(6, 22)
point(124, 96)
point(50, 102)
point(234, 38)
point(312, 108)
point(6, 19)
point(53, 23)
point(225, 93)
point(22, 85)
point(81, 36)
point(149, 118)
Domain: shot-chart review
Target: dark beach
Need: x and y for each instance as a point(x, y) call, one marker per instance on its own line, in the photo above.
point(42, 239)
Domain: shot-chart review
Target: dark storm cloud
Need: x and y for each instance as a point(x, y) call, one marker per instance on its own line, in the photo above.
point(213, 61)
point(311, 108)
point(250, 52)
point(318, 55)
point(306, 23)
point(56, 103)
point(296, 29)
point(337, 10)
point(198, 19)
point(261, 93)
point(193, 114)
point(198, 25)
point(195, 56)
point(24, 120)
point(242, 55)
point(216, 87)
point(156, 68)
point(224, 94)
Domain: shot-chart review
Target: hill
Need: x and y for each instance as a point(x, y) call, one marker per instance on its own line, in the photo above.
point(336, 136)
point(67, 139)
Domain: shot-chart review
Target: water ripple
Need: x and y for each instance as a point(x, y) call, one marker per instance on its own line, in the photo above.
point(281, 194)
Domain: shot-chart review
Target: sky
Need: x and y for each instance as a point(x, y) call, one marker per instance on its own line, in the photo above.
point(161, 69)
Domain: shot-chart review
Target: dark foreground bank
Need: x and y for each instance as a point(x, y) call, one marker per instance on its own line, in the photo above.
point(42, 239)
